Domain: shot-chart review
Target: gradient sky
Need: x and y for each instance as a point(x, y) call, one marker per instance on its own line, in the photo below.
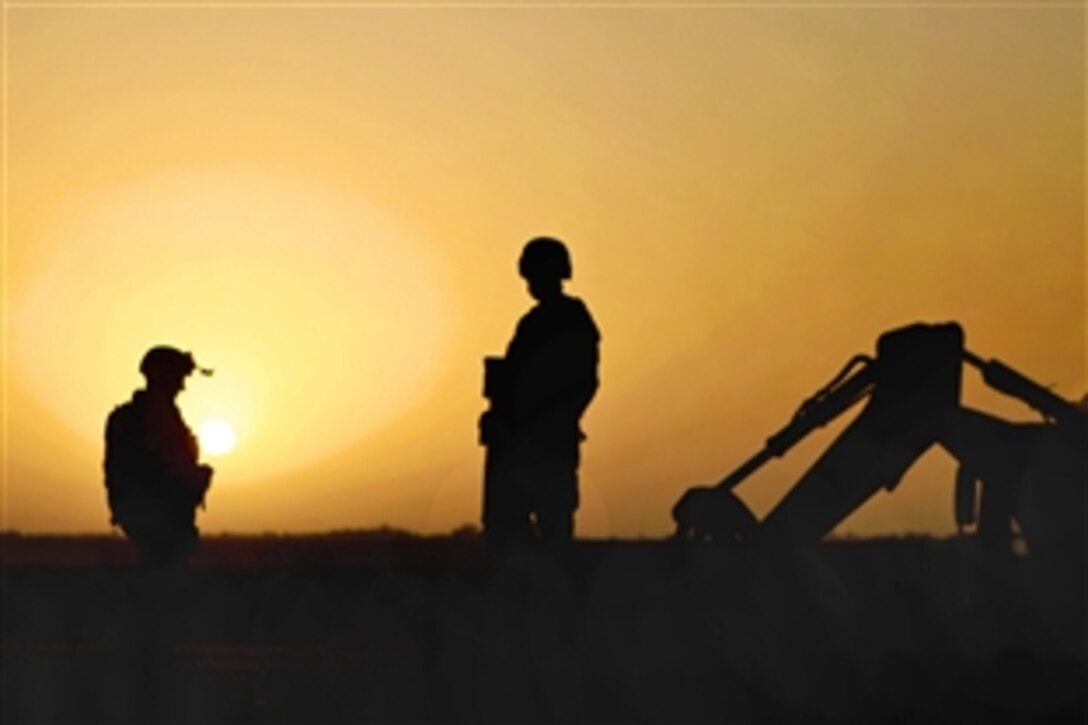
point(327, 204)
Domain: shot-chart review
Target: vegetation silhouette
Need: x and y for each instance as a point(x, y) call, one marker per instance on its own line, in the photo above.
point(154, 480)
point(538, 392)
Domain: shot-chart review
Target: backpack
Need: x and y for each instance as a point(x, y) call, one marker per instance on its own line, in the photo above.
point(125, 462)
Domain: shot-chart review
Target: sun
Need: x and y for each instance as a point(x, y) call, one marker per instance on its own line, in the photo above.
point(308, 269)
point(217, 437)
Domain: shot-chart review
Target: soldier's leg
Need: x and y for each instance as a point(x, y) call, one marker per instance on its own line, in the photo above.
point(555, 525)
point(506, 508)
point(139, 519)
point(166, 535)
point(557, 494)
point(153, 545)
point(183, 533)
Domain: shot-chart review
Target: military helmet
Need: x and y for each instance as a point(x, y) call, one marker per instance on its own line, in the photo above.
point(163, 360)
point(544, 257)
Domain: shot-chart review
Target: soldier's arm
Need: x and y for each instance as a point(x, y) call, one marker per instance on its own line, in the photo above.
point(177, 455)
point(572, 382)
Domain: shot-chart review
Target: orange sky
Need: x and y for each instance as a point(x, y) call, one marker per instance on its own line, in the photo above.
point(326, 205)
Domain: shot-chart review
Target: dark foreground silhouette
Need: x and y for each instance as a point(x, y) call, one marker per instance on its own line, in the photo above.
point(153, 475)
point(538, 392)
point(1025, 476)
point(393, 628)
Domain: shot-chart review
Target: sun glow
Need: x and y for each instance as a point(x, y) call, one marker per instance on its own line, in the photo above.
point(278, 284)
point(217, 437)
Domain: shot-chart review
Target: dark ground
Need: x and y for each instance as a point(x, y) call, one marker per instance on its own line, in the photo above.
point(384, 627)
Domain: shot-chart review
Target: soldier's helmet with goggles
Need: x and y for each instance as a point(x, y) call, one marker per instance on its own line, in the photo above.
point(544, 258)
point(163, 361)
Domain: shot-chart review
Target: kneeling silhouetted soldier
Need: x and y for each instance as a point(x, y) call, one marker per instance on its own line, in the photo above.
point(154, 481)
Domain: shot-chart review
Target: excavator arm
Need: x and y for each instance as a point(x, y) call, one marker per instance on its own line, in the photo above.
point(714, 512)
point(912, 392)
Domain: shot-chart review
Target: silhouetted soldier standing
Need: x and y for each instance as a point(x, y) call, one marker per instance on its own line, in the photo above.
point(538, 393)
point(154, 481)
